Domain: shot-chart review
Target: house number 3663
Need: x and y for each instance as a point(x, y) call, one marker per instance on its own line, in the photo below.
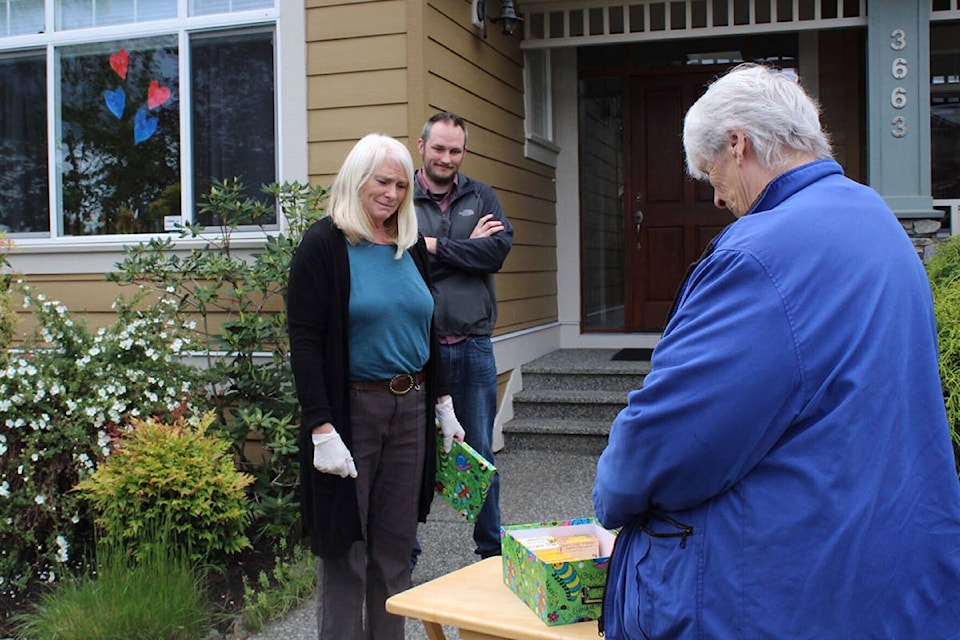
point(899, 70)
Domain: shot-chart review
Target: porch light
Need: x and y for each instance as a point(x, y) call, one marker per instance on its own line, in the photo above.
point(508, 18)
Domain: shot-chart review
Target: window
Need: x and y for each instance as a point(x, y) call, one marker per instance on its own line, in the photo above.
point(538, 104)
point(945, 111)
point(24, 195)
point(151, 100)
point(539, 121)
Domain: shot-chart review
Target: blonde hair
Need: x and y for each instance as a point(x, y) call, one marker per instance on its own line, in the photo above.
point(344, 206)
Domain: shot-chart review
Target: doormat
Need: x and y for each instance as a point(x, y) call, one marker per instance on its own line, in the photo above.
point(633, 355)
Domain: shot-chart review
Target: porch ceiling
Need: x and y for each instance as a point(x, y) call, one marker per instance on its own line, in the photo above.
point(563, 23)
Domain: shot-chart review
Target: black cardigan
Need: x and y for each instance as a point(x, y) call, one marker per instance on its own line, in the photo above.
point(318, 296)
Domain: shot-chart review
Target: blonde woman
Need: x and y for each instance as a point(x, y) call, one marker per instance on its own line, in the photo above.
point(370, 384)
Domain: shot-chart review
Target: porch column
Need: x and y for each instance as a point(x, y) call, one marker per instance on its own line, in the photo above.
point(898, 80)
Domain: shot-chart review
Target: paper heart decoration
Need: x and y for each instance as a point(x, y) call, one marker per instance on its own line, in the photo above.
point(157, 95)
point(116, 101)
point(119, 62)
point(143, 126)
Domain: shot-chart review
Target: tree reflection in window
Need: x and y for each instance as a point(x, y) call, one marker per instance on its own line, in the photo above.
point(115, 177)
point(23, 145)
point(233, 115)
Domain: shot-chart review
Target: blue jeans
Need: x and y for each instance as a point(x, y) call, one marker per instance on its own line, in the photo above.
point(472, 378)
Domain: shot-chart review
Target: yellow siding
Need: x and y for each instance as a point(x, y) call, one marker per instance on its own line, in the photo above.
point(351, 19)
point(356, 77)
point(343, 56)
point(90, 298)
point(329, 124)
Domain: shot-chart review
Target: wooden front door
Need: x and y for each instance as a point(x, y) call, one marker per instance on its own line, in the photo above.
point(669, 218)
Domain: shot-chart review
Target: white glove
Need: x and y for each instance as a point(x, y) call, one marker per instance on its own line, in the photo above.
point(449, 424)
point(330, 455)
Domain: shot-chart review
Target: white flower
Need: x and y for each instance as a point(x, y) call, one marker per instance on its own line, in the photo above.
point(5, 489)
point(62, 545)
point(35, 457)
point(40, 498)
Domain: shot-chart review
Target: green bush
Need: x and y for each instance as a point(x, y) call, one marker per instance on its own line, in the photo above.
point(943, 270)
point(63, 399)
point(156, 597)
point(247, 355)
point(172, 475)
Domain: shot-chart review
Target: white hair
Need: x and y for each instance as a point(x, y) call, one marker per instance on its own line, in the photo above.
point(344, 205)
point(769, 106)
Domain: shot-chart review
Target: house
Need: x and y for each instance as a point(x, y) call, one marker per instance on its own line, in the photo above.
point(114, 115)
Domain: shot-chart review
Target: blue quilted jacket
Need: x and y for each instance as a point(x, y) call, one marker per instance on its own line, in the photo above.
point(786, 470)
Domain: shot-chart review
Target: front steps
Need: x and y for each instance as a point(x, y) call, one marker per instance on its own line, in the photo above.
point(569, 399)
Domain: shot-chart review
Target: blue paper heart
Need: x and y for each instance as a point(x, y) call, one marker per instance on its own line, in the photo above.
point(143, 126)
point(116, 101)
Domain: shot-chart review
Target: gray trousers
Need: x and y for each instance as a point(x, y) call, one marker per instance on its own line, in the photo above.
point(389, 445)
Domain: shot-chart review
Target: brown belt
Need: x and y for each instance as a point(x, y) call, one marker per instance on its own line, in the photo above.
point(398, 385)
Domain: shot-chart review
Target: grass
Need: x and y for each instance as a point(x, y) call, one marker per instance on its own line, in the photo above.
point(163, 597)
point(159, 597)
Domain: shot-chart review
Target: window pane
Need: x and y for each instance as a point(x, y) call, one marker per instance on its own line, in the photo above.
point(233, 113)
point(538, 97)
point(25, 16)
point(204, 7)
point(945, 110)
point(119, 127)
point(601, 202)
point(23, 145)
point(80, 14)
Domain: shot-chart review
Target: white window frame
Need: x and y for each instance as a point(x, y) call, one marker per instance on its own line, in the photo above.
point(100, 254)
point(538, 97)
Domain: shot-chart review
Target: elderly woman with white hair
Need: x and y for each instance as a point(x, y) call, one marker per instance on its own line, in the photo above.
point(369, 380)
point(786, 470)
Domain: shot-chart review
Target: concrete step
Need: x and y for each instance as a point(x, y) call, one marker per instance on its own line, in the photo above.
point(584, 380)
point(567, 436)
point(567, 404)
point(569, 399)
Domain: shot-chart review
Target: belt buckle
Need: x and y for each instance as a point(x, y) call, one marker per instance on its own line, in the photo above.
point(401, 376)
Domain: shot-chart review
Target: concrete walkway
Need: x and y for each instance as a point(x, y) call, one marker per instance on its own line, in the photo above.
point(534, 486)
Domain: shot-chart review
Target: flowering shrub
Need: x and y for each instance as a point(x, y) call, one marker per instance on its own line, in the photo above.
point(63, 399)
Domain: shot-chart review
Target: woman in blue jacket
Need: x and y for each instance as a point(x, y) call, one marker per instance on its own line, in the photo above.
point(786, 470)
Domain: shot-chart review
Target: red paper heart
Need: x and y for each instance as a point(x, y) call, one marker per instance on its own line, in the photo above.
point(119, 61)
point(157, 95)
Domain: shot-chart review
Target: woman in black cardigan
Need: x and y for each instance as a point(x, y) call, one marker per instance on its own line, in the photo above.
point(370, 385)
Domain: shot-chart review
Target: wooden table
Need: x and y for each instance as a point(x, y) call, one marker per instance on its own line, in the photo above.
point(475, 600)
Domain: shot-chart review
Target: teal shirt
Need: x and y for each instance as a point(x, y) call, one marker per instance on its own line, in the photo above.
point(390, 313)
